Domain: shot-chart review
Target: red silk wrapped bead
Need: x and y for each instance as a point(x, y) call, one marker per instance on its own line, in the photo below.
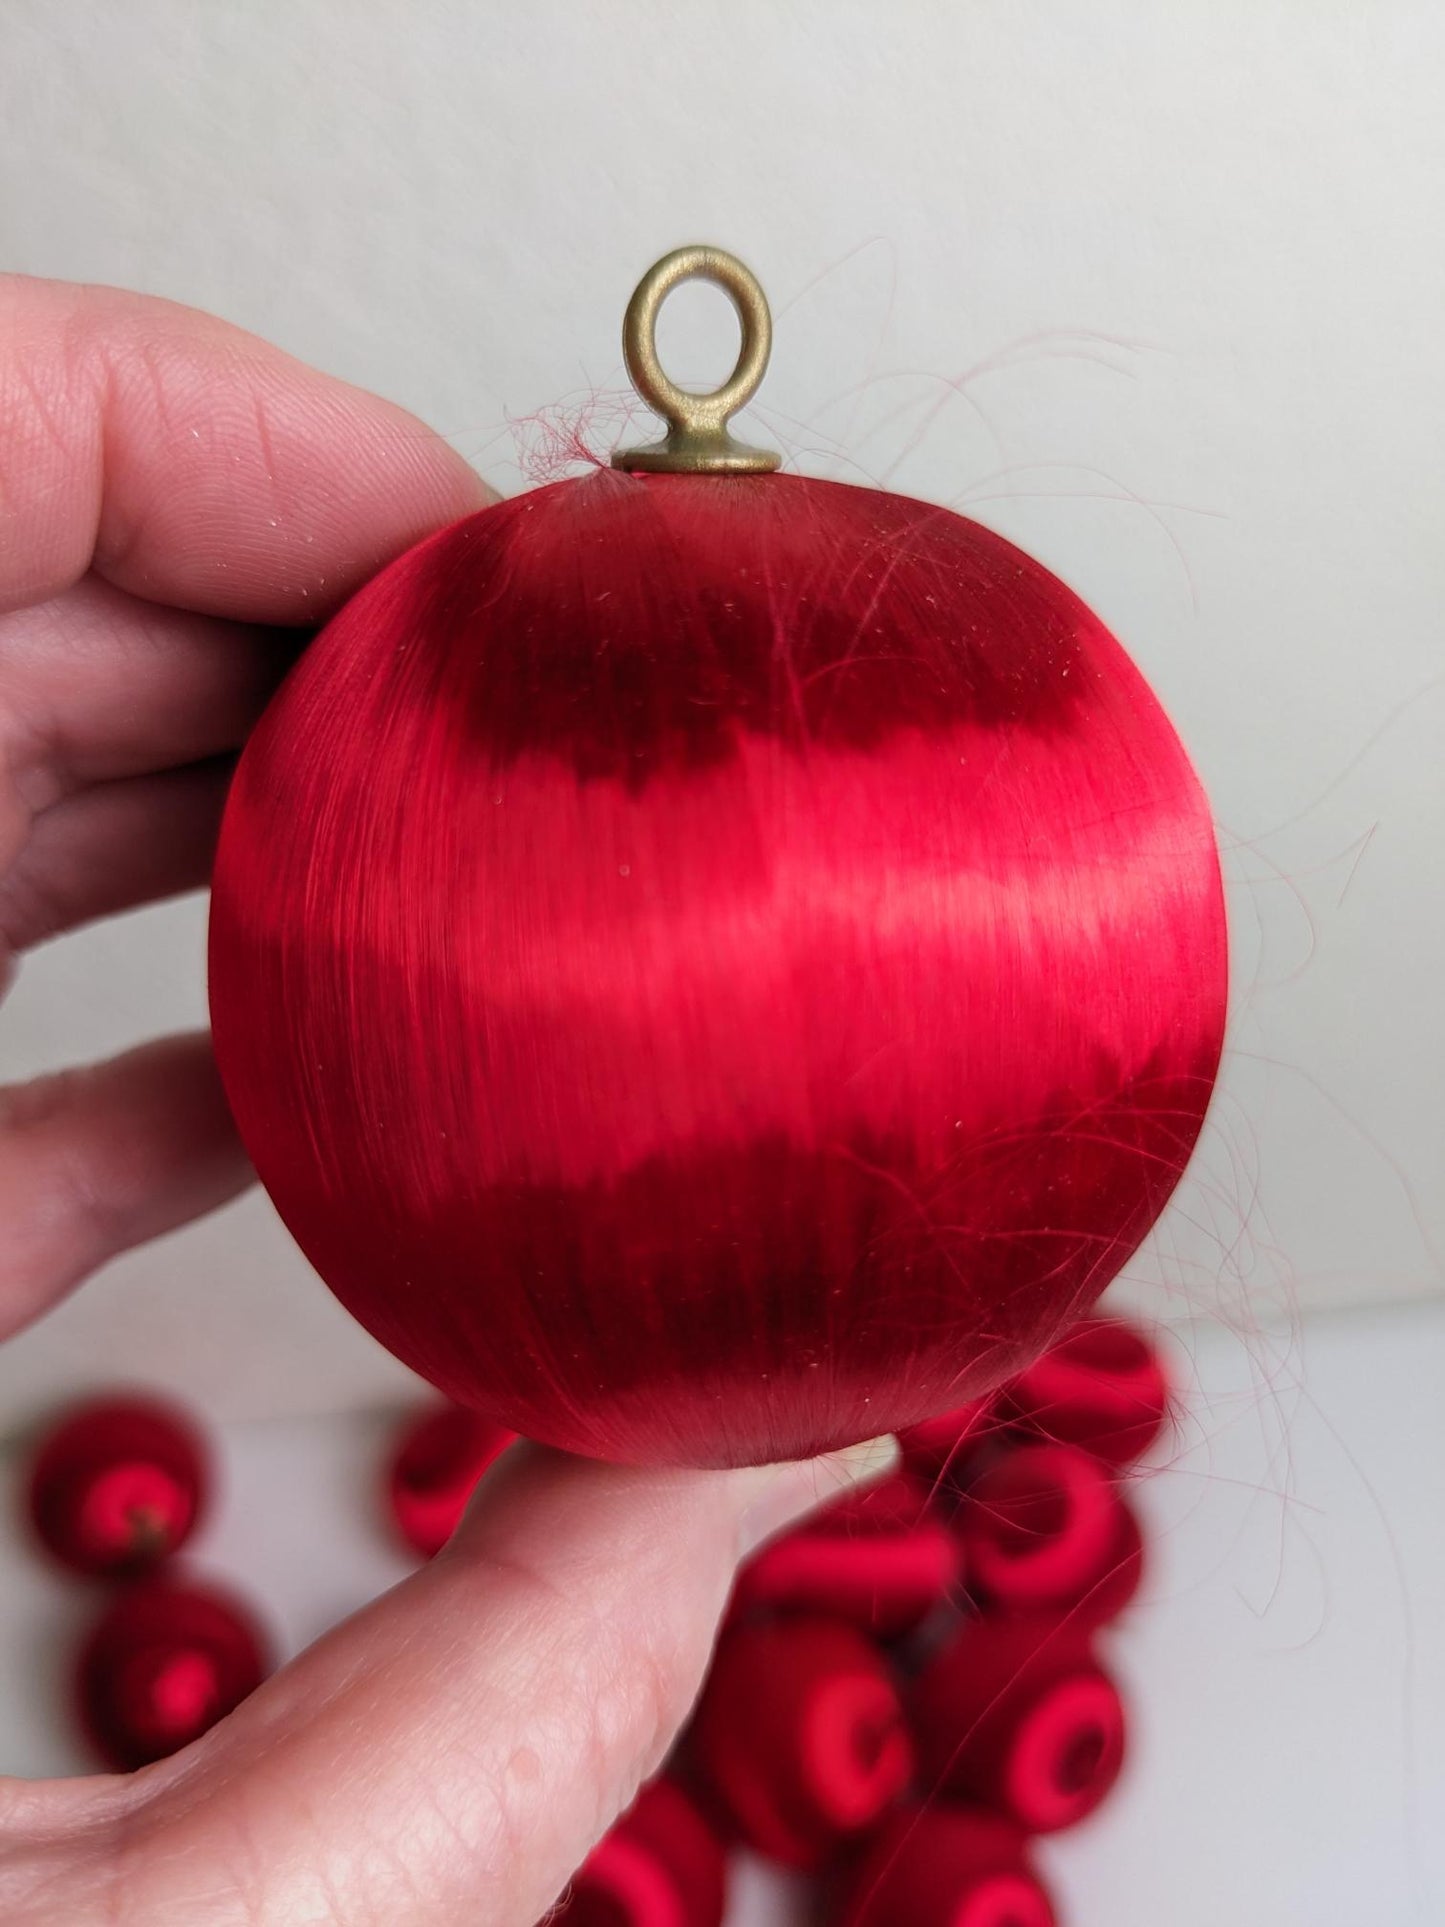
point(1045, 1529)
point(1021, 1717)
point(164, 1662)
point(878, 1560)
point(937, 1448)
point(660, 1866)
point(944, 1866)
point(433, 1472)
point(800, 1736)
point(665, 936)
point(1103, 1387)
point(118, 1485)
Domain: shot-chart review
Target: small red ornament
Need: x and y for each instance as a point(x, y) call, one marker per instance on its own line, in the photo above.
point(1021, 1717)
point(660, 1866)
point(433, 1472)
point(713, 965)
point(800, 1736)
point(937, 1449)
point(944, 1866)
point(1045, 1529)
point(1103, 1387)
point(878, 1560)
point(118, 1485)
point(161, 1666)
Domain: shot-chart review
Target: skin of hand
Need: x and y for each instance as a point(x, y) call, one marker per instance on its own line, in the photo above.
point(178, 503)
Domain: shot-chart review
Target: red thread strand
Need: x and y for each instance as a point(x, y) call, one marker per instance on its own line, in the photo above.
point(1019, 1715)
point(1103, 1387)
point(1045, 1529)
point(943, 1866)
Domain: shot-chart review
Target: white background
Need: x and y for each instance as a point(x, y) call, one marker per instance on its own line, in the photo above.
point(1153, 288)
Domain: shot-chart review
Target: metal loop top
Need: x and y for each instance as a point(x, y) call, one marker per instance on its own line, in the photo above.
point(697, 441)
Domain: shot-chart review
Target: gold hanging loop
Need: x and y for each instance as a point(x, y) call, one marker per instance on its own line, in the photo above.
point(697, 440)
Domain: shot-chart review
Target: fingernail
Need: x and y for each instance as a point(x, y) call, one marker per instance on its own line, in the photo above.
point(786, 1493)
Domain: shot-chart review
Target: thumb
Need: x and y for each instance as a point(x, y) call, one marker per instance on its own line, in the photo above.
point(453, 1752)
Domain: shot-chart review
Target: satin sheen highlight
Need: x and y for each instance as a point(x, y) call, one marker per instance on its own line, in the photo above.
point(711, 969)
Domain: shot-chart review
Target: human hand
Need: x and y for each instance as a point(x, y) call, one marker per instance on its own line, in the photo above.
point(176, 500)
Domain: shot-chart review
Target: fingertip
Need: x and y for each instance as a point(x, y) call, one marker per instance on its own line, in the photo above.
point(758, 1501)
point(787, 1493)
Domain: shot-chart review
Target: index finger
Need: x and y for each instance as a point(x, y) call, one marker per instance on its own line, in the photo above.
point(190, 463)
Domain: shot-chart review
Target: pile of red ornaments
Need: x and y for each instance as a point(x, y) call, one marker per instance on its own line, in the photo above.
point(114, 1494)
point(115, 1491)
point(906, 1689)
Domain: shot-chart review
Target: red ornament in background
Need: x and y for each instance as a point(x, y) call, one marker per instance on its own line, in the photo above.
point(936, 1448)
point(943, 1866)
point(165, 1661)
point(1022, 1718)
point(118, 1485)
point(879, 1560)
point(800, 1736)
point(434, 1470)
point(1102, 1387)
point(715, 966)
point(1045, 1529)
point(660, 1866)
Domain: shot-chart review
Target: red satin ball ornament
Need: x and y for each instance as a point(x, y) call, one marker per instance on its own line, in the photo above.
point(1103, 1387)
point(800, 1736)
point(943, 1866)
point(433, 1472)
point(878, 1560)
point(165, 1661)
point(1019, 1716)
point(1045, 1529)
point(118, 1485)
point(660, 1866)
point(711, 967)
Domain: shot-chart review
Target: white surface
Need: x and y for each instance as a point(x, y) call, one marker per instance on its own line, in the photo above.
point(1285, 1666)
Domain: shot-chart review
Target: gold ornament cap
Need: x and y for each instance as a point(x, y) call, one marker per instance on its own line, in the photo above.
point(697, 440)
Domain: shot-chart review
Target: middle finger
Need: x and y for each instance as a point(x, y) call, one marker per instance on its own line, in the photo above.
point(96, 684)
